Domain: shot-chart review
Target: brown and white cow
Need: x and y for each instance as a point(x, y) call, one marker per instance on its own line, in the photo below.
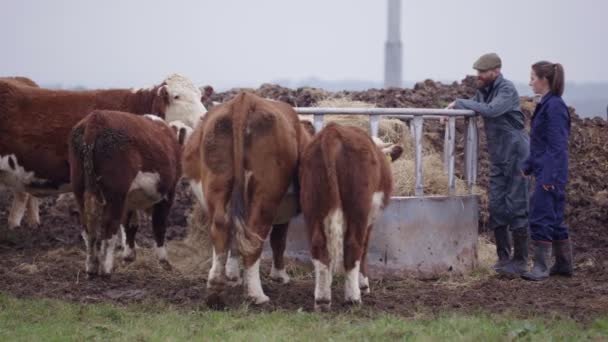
point(240, 161)
point(121, 163)
point(22, 201)
point(35, 124)
point(345, 182)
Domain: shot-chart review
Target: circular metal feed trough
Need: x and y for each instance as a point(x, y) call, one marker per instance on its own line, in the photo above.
point(423, 236)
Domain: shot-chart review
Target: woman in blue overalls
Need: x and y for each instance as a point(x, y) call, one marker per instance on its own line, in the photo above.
point(548, 163)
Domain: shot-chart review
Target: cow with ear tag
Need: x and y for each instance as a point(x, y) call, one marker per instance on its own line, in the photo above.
point(346, 181)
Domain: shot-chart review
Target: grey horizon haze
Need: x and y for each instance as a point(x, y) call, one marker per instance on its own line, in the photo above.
point(233, 43)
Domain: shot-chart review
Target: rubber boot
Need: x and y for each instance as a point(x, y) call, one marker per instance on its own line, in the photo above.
point(542, 254)
point(503, 246)
point(563, 258)
point(519, 264)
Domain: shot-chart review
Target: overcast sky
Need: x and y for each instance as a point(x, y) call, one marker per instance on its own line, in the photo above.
point(247, 42)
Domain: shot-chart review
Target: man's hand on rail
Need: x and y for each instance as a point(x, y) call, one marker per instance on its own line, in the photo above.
point(450, 106)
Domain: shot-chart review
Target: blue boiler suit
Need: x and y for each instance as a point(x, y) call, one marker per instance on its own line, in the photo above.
point(548, 163)
point(508, 145)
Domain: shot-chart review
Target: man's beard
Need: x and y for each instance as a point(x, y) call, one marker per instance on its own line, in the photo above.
point(481, 84)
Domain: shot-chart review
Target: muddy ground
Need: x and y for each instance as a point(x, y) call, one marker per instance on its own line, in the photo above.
point(48, 262)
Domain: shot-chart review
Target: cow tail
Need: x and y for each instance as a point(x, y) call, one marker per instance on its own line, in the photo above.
point(94, 200)
point(248, 242)
point(334, 224)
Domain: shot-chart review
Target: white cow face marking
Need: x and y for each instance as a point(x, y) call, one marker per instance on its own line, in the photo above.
point(184, 101)
point(13, 175)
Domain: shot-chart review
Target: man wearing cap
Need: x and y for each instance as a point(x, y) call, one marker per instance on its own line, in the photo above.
point(497, 101)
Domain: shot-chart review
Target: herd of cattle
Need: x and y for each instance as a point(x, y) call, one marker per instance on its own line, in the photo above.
point(122, 151)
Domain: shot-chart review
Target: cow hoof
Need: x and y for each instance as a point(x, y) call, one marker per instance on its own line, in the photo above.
point(33, 223)
point(234, 282)
point(322, 305)
point(127, 259)
point(91, 275)
point(104, 275)
point(365, 290)
point(165, 265)
point(353, 302)
point(215, 301)
point(280, 275)
point(259, 300)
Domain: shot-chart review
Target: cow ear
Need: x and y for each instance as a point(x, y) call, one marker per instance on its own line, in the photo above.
point(208, 91)
point(163, 93)
point(393, 153)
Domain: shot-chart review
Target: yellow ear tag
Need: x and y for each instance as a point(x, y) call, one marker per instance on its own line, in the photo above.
point(388, 157)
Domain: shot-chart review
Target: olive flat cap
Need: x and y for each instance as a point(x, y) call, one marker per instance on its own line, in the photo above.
point(488, 61)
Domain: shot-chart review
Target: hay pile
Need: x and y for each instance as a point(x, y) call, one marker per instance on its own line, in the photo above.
point(397, 132)
point(193, 255)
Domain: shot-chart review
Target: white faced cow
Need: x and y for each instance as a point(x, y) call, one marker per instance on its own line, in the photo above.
point(35, 124)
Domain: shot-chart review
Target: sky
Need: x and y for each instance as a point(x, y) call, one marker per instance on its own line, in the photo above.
point(226, 43)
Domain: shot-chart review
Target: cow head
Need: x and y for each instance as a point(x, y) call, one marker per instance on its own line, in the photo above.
point(392, 151)
point(177, 99)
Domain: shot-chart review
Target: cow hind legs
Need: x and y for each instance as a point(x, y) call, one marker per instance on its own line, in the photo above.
point(352, 291)
point(216, 281)
point(160, 214)
point(278, 242)
point(323, 279)
point(364, 283)
point(253, 282)
point(33, 213)
point(233, 269)
point(17, 210)
point(99, 255)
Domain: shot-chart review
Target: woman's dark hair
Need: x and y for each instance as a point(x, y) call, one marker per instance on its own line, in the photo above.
point(553, 73)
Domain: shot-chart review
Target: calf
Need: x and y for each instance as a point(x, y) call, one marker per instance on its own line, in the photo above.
point(240, 161)
point(120, 163)
point(345, 182)
point(35, 124)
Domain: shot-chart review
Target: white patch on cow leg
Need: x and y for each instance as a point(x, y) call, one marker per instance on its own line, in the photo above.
point(89, 264)
point(128, 254)
point(279, 274)
point(377, 198)
point(333, 226)
point(197, 190)
point(161, 253)
point(254, 284)
point(33, 213)
point(163, 259)
point(218, 268)
point(17, 209)
point(352, 292)
point(233, 271)
point(107, 254)
point(364, 283)
point(323, 278)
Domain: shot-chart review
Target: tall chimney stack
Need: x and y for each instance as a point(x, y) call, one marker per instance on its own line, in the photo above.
point(392, 47)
